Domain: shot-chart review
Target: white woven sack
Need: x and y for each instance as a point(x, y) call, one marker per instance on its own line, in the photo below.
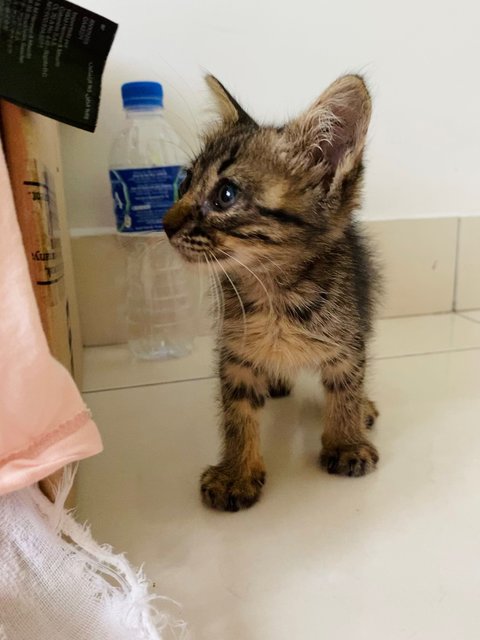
point(57, 583)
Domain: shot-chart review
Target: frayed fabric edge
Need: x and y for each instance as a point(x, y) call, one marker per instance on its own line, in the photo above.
point(121, 581)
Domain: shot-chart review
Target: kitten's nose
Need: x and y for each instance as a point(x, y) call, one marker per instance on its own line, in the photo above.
point(175, 218)
point(169, 227)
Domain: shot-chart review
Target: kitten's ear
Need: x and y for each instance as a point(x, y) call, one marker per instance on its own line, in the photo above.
point(229, 108)
point(330, 135)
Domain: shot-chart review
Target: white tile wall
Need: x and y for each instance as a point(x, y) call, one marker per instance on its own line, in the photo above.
point(418, 256)
point(468, 270)
point(99, 266)
point(419, 264)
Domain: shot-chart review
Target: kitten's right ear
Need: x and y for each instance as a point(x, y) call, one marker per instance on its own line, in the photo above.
point(229, 108)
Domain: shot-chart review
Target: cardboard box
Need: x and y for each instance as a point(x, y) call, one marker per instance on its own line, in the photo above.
point(32, 152)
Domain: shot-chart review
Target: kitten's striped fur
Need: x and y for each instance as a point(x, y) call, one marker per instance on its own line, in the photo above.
point(297, 277)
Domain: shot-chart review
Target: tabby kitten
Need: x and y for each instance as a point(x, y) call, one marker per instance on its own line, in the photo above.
point(270, 208)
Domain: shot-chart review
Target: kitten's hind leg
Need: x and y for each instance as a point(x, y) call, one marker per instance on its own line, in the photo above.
point(236, 481)
point(279, 387)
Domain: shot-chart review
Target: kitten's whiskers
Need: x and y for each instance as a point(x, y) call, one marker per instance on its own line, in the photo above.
point(221, 295)
point(244, 315)
point(214, 288)
point(274, 263)
point(269, 298)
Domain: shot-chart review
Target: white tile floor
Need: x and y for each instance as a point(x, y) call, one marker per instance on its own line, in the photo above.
point(392, 556)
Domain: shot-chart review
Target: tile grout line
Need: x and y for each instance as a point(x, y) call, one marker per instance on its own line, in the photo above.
point(428, 353)
point(465, 317)
point(148, 384)
point(456, 266)
point(214, 377)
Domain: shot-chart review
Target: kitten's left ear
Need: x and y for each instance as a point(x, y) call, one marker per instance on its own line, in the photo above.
point(330, 135)
point(229, 108)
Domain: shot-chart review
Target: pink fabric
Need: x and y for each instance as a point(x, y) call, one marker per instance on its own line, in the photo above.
point(44, 423)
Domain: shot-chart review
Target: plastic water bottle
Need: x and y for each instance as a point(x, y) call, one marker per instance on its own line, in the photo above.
point(145, 170)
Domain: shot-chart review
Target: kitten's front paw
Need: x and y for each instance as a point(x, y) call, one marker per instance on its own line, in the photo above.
point(226, 491)
point(352, 460)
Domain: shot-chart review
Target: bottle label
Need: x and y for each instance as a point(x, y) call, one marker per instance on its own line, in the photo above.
point(142, 197)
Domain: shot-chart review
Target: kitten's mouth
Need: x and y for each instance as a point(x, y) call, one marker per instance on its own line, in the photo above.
point(196, 250)
point(188, 254)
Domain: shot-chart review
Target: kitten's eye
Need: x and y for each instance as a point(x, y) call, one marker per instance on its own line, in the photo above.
point(185, 183)
point(226, 196)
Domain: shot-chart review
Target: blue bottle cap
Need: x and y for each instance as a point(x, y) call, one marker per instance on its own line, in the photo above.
point(136, 95)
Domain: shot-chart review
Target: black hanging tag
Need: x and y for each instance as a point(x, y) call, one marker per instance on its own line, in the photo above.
point(52, 56)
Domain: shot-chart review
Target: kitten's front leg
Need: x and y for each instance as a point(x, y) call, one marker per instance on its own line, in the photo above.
point(346, 448)
point(236, 482)
point(279, 387)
